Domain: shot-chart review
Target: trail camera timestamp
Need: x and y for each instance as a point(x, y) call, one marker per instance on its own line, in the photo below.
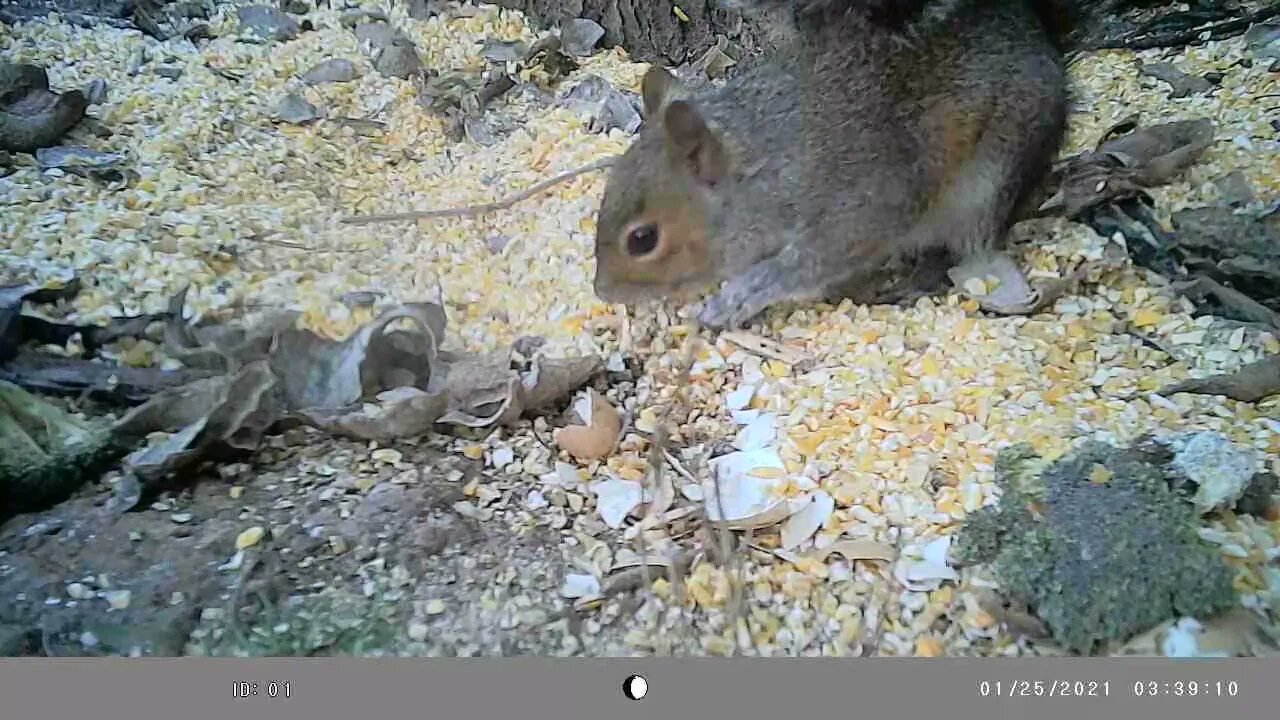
point(273, 690)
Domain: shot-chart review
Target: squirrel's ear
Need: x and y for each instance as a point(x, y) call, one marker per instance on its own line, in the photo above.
point(694, 142)
point(657, 88)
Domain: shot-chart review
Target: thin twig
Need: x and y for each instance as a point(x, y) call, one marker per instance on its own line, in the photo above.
point(737, 583)
point(483, 208)
point(679, 468)
point(1243, 305)
point(303, 248)
point(658, 452)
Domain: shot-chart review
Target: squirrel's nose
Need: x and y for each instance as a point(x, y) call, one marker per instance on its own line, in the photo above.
point(603, 289)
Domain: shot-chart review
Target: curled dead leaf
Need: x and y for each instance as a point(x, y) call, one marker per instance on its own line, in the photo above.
point(399, 413)
point(1250, 383)
point(764, 347)
point(1237, 633)
point(852, 550)
point(1123, 166)
point(320, 373)
point(232, 411)
point(550, 380)
point(1014, 615)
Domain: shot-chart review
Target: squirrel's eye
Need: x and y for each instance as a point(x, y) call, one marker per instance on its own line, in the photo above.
point(642, 240)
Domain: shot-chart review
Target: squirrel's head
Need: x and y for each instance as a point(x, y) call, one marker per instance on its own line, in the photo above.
point(655, 233)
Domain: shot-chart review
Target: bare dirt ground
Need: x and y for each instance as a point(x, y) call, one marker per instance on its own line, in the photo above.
point(392, 570)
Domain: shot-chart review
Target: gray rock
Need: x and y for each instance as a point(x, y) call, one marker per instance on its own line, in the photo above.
point(191, 10)
point(424, 9)
point(352, 18)
point(1182, 83)
point(379, 34)
point(503, 51)
point(67, 157)
point(478, 131)
point(579, 36)
point(604, 106)
point(1234, 189)
point(95, 93)
point(268, 22)
point(398, 60)
point(1263, 40)
point(296, 110)
point(496, 243)
point(1220, 469)
point(335, 70)
point(592, 89)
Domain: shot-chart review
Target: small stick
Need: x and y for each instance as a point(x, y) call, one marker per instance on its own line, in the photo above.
point(658, 446)
point(483, 208)
point(1179, 38)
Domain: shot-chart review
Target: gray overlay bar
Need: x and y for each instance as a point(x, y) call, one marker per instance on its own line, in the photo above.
point(704, 689)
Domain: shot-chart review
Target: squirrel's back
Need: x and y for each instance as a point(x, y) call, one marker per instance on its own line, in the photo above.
point(904, 107)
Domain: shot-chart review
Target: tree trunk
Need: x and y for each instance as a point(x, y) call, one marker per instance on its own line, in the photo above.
point(650, 30)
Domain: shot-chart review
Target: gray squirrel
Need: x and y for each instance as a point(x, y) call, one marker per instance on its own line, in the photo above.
point(878, 129)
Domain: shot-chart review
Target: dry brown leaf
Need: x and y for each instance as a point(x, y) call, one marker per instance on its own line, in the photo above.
point(1147, 644)
point(318, 373)
point(1250, 383)
point(852, 550)
point(664, 495)
point(764, 347)
point(221, 345)
point(483, 390)
point(1122, 167)
point(595, 441)
point(232, 411)
point(1237, 632)
point(399, 413)
point(1014, 615)
point(1241, 305)
point(550, 380)
point(33, 117)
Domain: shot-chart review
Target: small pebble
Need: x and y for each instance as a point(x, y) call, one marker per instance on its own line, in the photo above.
point(119, 599)
point(79, 591)
point(250, 537)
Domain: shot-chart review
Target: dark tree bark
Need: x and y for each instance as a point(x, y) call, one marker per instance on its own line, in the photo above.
point(651, 31)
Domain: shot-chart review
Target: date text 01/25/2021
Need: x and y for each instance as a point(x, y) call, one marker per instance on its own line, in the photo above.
point(1102, 688)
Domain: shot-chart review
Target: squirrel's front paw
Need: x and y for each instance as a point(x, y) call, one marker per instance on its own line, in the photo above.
point(750, 293)
point(718, 314)
point(713, 313)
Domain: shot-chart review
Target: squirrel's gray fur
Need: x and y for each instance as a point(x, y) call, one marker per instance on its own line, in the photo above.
point(860, 140)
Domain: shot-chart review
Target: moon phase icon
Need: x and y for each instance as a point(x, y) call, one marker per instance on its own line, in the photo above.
point(635, 687)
